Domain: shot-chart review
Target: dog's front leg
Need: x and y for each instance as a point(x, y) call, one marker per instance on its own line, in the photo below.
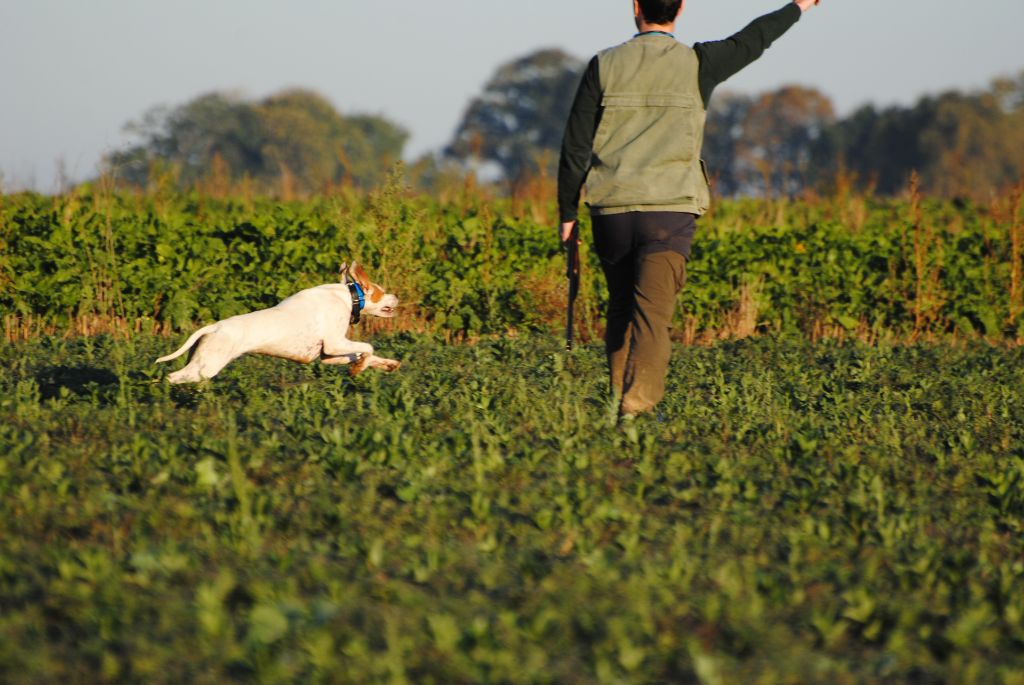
point(383, 363)
point(374, 362)
point(343, 359)
point(358, 354)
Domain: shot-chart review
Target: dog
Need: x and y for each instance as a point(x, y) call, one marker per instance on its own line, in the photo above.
point(311, 324)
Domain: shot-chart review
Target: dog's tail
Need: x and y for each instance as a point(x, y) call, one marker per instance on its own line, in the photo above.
point(192, 339)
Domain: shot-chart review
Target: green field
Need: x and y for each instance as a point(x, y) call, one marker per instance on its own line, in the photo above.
point(799, 513)
point(836, 499)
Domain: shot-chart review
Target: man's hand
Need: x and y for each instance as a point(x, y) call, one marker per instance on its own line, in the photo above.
point(566, 230)
point(805, 5)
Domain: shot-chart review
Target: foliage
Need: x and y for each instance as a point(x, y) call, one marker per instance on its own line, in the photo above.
point(767, 145)
point(849, 263)
point(725, 117)
point(780, 142)
point(963, 145)
point(295, 138)
point(799, 513)
point(517, 122)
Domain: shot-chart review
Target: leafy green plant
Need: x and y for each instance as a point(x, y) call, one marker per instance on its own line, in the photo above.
point(797, 511)
point(475, 268)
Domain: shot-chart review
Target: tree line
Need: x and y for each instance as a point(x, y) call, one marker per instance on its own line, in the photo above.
point(296, 138)
point(782, 142)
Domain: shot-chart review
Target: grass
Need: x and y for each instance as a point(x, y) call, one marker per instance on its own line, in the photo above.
point(798, 513)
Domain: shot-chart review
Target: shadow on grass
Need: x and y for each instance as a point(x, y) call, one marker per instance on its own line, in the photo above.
point(77, 380)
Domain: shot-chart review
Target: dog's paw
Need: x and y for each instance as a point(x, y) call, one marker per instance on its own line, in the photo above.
point(384, 364)
point(358, 366)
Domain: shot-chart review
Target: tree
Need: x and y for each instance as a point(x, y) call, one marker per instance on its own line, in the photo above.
point(961, 145)
point(771, 143)
point(301, 138)
point(190, 137)
point(306, 138)
point(722, 133)
point(519, 119)
point(776, 146)
point(296, 134)
point(974, 146)
point(1009, 92)
point(372, 146)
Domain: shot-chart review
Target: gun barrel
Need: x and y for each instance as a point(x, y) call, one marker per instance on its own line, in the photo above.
point(572, 272)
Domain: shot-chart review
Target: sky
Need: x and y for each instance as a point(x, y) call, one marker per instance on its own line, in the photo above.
point(74, 72)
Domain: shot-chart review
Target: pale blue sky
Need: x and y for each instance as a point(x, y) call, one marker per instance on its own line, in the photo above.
point(75, 71)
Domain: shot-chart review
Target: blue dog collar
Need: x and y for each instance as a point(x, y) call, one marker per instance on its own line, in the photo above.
point(358, 300)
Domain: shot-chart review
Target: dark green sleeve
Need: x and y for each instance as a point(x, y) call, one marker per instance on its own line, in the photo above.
point(578, 141)
point(721, 59)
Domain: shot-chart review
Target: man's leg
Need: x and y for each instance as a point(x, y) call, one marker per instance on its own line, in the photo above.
point(659, 278)
point(619, 314)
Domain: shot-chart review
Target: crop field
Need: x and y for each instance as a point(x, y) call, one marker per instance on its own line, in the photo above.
point(832, 492)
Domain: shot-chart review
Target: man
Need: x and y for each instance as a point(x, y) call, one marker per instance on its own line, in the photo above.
point(634, 137)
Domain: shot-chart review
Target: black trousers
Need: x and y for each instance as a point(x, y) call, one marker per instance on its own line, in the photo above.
point(643, 255)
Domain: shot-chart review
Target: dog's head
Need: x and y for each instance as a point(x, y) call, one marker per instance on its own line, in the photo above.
point(378, 302)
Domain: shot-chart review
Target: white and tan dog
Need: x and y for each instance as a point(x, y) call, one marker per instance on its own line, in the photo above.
point(311, 324)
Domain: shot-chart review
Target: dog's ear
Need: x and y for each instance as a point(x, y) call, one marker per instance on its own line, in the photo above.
point(359, 276)
point(343, 270)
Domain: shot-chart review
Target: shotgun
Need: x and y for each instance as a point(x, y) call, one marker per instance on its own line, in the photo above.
point(572, 272)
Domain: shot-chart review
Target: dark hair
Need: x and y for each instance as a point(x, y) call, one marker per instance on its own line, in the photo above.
point(660, 11)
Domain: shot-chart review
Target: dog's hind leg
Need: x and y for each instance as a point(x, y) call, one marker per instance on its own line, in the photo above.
point(192, 339)
point(210, 356)
point(186, 374)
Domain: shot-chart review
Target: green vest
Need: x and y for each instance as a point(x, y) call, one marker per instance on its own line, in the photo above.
point(646, 154)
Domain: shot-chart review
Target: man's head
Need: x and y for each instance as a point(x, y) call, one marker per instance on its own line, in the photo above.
point(659, 12)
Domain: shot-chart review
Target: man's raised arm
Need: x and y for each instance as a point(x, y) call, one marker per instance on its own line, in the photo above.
point(721, 59)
